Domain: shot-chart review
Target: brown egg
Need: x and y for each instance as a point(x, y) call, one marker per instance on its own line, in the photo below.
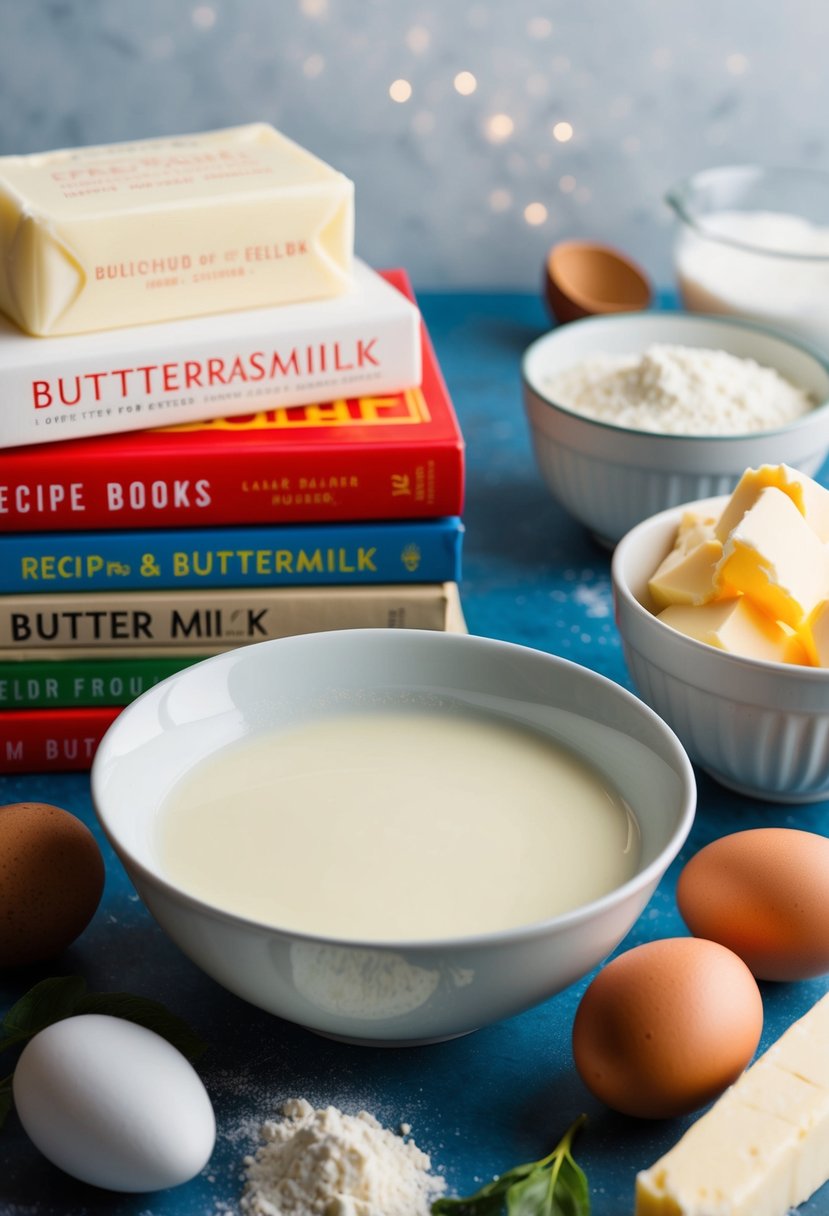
point(666, 1027)
point(764, 893)
point(51, 879)
point(585, 278)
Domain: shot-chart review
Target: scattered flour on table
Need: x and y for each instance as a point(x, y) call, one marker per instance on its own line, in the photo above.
point(597, 601)
point(679, 390)
point(326, 1163)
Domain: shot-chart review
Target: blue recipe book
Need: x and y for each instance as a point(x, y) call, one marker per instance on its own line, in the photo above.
point(398, 551)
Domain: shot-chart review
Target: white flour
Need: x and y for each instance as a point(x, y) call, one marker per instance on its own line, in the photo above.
point(679, 390)
point(326, 1163)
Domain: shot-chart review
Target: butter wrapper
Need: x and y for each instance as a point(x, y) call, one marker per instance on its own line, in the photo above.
point(135, 233)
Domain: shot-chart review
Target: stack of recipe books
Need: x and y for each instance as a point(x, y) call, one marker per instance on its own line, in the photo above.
point(171, 490)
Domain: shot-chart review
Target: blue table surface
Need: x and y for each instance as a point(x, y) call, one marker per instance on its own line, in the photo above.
point(506, 1093)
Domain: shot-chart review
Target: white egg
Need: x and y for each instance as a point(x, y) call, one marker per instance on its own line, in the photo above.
point(114, 1104)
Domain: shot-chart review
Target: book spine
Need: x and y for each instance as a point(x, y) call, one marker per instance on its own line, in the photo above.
point(422, 551)
point(397, 456)
point(50, 654)
point(215, 618)
point(59, 682)
point(51, 740)
point(323, 485)
point(112, 391)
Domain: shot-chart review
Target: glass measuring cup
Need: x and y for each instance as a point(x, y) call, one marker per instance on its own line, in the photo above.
point(753, 241)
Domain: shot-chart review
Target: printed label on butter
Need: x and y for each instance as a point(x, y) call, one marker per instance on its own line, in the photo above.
point(127, 234)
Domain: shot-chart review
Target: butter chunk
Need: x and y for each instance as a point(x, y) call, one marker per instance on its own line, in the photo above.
point(773, 557)
point(763, 1147)
point(796, 650)
point(133, 233)
point(815, 635)
point(736, 625)
point(810, 498)
point(687, 575)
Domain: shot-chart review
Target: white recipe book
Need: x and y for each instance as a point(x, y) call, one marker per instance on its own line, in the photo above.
point(365, 342)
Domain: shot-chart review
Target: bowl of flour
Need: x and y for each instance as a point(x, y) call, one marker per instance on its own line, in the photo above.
point(634, 413)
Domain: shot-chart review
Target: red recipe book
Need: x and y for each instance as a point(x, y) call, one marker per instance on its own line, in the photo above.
point(46, 740)
point(391, 456)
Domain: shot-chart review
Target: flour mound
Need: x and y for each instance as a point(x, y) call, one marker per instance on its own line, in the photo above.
point(326, 1163)
point(679, 390)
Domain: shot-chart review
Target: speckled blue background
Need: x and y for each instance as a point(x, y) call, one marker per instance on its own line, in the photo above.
point(497, 1097)
point(647, 92)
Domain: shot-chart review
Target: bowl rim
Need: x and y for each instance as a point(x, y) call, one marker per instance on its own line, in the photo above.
point(643, 877)
point(736, 323)
point(726, 659)
point(676, 197)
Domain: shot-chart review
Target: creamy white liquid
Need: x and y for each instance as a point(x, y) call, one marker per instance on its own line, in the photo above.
point(397, 826)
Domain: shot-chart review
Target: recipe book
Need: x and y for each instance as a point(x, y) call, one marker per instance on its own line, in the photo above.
point(389, 455)
point(371, 551)
point(221, 618)
point(57, 388)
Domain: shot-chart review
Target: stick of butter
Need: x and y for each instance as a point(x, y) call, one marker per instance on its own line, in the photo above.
point(134, 233)
point(763, 1147)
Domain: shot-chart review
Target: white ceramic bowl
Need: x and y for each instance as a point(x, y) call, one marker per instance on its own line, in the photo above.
point(759, 728)
point(365, 991)
point(612, 477)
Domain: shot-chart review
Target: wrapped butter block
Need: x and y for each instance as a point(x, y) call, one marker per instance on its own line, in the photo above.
point(126, 234)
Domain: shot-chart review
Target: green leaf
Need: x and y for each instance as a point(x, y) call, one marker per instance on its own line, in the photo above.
point(553, 1186)
point(531, 1195)
point(488, 1201)
point(5, 1099)
point(143, 1011)
point(49, 1001)
point(475, 1205)
point(572, 1191)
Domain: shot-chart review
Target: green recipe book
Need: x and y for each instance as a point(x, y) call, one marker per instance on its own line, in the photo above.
point(56, 683)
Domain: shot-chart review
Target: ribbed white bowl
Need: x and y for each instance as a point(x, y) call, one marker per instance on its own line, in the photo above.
point(759, 728)
point(611, 477)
